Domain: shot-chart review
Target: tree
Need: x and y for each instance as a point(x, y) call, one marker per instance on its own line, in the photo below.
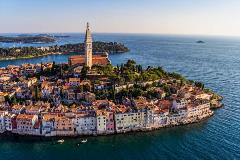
point(37, 93)
point(84, 71)
point(199, 84)
point(53, 67)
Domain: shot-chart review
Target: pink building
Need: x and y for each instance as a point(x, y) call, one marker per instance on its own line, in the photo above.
point(110, 125)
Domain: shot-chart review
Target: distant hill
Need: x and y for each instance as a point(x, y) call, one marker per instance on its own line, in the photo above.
point(200, 42)
point(27, 39)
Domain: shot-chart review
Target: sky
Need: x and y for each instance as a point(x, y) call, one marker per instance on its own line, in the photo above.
point(184, 17)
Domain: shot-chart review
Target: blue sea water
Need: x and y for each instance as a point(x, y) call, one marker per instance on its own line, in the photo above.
point(215, 62)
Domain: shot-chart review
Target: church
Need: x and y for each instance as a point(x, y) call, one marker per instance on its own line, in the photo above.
point(88, 58)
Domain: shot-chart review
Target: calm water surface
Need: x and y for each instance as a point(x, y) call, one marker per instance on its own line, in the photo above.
point(216, 63)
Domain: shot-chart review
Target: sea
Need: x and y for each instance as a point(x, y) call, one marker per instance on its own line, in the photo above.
point(216, 63)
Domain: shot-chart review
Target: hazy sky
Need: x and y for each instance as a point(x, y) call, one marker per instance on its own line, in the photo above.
point(204, 17)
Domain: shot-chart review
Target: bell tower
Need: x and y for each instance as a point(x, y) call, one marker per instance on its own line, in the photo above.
point(88, 47)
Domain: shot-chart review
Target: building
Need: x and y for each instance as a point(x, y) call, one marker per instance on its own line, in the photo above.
point(101, 122)
point(74, 82)
point(10, 121)
point(63, 126)
point(2, 121)
point(48, 124)
point(110, 124)
point(179, 104)
point(198, 111)
point(85, 123)
point(25, 124)
point(86, 96)
point(88, 58)
point(130, 121)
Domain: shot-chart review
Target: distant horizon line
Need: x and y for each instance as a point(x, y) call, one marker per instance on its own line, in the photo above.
point(133, 33)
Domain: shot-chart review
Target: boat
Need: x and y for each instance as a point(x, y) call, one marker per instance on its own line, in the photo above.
point(83, 140)
point(60, 141)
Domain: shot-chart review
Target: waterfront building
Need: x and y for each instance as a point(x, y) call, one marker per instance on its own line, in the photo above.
point(2, 121)
point(197, 111)
point(10, 121)
point(110, 124)
point(88, 58)
point(64, 126)
point(25, 124)
point(86, 123)
point(178, 117)
point(130, 121)
point(203, 96)
point(149, 119)
point(101, 122)
point(48, 124)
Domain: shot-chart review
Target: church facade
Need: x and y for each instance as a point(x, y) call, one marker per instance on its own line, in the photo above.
point(88, 58)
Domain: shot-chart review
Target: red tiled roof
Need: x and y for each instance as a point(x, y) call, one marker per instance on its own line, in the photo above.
point(96, 59)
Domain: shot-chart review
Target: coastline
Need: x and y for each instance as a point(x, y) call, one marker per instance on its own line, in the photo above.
point(44, 55)
point(9, 134)
point(29, 57)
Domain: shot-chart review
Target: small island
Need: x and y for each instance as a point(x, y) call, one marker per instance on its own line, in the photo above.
point(31, 52)
point(27, 39)
point(200, 41)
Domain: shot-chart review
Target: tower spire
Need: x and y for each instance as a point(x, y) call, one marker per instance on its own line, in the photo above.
point(87, 25)
point(88, 47)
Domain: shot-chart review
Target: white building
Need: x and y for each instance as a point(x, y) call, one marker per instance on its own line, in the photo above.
point(48, 124)
point(2, 122)
point(130, 121)
point(178, 117)
point(179, 104)
point(101, 122)
point(85, 124)
point(160, 119)
point(9, 121)
point(198, 111)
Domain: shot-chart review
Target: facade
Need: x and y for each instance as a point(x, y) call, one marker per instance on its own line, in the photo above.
point(178, 104)
point(63, 126)
point(101, 122)
point(130, 121)
point(25, 124)
point(88, 58)
point(110, 124)
point(10, 121)
point(178, 117)
point(198, 111)
point(86, 123)
point(74, 82)
point(2, 122)
point(160, 119)
point(48, 121)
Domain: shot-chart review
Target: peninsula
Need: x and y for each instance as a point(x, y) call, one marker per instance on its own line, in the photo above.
point(31, 52)
point(90, 96)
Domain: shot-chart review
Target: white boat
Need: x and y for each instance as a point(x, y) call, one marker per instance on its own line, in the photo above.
point(83, 140)
point(61, 141)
